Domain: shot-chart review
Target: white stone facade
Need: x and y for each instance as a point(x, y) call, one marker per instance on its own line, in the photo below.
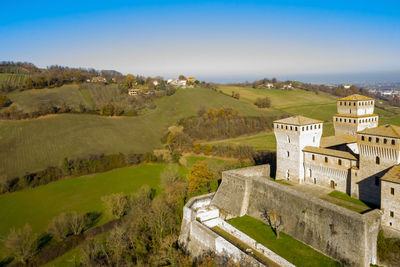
point(291, 139)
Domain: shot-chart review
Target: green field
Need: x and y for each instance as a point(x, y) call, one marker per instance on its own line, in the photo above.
point(286, 246)
point(38, 206)
point(263, 141)
point(34, 99)
point(29, 145)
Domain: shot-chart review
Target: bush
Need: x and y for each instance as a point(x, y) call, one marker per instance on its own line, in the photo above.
point(4, 101)
point(263, 102)
point(116, 204)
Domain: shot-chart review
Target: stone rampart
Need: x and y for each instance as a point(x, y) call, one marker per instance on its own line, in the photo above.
point(342, 234)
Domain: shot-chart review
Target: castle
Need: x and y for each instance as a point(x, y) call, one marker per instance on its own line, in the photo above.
point(362, 159)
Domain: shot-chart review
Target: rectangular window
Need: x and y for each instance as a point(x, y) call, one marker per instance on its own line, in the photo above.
point(340, 162)
point(326, 159)
point(392, 191)
point(393, 142)
point(377, 140)
point(391, 214)
point(362, 138)
point(313, 157)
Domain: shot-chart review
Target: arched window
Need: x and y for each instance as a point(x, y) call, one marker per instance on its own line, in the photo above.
point(378, 160)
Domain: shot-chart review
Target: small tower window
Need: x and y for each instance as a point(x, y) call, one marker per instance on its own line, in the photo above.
point(393, 142)
point(326, 159)
point(369, 139)
point(288, 139)
point(385, 141)
point(288, 154)
point(295, 129)
point(378, 160)
point(313, 157)
point(354, 104)
point(391, 214)
point(340, 162)
point(392, 191)
point(362, 138)
point(377, 140)
point(341, 103)
point(313, 139)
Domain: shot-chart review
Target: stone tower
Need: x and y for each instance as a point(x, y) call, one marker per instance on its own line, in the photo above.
point(355, 113)
point(292, 135)
point(379, 150)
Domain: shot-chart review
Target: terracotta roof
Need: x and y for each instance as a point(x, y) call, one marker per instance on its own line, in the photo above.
point(355, 97)
point(337, 140)
point(298, 120)
point(329, 152)
point(355, 116)
point(393, 175)
point(387, 130)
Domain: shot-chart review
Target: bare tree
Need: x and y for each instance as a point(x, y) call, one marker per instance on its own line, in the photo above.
point(273, 218)
point(117, 204)
point(22, 243)
point(77, 222)
point(59, 227)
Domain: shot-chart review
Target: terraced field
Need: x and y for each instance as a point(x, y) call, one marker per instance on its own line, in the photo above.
point(13, 80)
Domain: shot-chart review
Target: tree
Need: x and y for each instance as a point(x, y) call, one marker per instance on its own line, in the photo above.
point(273, 218)
point(199, 176)
point(181, 77)
point(22, 243)
point(116, 204)
point(264, 102)
point(77, 222)
point(59, 227)
point(129, 81)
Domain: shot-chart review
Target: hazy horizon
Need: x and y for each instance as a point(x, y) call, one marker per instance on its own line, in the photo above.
point(219, 40)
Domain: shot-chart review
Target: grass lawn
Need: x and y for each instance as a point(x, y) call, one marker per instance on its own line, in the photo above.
point(263, 141)
point(348, 202)
point(29, 145)
point(86, 95)
point(286, 246)
point(38, 206)
point(243, 247)
point(12, 79)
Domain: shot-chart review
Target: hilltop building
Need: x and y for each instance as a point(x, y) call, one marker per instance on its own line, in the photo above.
point(362, 159)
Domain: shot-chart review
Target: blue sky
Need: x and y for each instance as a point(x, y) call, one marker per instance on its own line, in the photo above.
point(205, 38)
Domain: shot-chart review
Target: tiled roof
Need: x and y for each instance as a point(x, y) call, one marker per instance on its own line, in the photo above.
point(393, 175)
point(329, 152)
point(355, 97)
point(337, 140)
point(298, 120)
point(387, 130)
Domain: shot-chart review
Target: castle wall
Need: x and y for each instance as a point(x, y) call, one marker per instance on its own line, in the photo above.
point(390, 203)
point(344, 235)
point(357, 108)
point(351, 125)
point(367, 185)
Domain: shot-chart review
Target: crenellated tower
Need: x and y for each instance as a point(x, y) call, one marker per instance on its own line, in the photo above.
point(292, 135)
point(355, 113)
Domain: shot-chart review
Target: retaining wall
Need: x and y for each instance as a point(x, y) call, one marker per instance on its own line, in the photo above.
point(342, 234)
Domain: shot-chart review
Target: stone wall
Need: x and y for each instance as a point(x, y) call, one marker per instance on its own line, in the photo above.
point(344, 235)
point(390, 204)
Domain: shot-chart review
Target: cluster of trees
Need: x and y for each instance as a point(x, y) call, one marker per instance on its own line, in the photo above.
point(74, 167)
point(223, 123)
point(53, 76)
point(263, 102)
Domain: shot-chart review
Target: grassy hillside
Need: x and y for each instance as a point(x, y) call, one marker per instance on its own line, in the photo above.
point(30, 145)
point(32, 100)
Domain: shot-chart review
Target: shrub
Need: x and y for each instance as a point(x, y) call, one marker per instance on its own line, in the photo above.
point(116, 204)
point(4, 101)
point(59, 227)
point(263, 102)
